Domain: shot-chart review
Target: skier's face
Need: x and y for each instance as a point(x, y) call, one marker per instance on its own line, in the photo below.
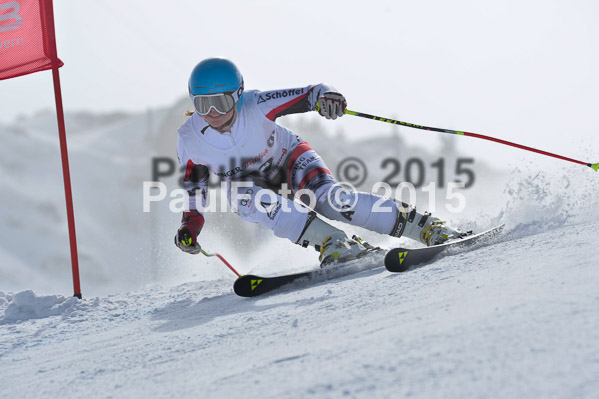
point(216, 120)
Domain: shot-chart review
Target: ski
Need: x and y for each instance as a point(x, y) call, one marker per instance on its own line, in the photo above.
point(396, 260)
point(250, 285)
point(401, 259)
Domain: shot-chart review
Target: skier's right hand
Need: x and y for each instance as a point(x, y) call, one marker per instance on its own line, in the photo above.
point(331, 105)
point(186, 238)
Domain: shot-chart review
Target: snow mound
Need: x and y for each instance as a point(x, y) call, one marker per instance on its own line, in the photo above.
point(26, 305)
point(545, 201)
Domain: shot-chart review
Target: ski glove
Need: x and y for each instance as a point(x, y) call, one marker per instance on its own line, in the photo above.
point(331, 105)
point(187, 235)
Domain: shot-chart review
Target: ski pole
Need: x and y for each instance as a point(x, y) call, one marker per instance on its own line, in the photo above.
point(594, 166)
point(219, 256)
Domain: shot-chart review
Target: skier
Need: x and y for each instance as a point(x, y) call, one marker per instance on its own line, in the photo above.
point(233, 133)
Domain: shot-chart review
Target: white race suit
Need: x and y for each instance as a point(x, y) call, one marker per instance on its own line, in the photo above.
point(258, 156)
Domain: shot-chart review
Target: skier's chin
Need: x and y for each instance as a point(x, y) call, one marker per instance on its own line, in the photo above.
point(219, 120)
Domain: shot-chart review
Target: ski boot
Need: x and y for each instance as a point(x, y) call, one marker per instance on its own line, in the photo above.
point(437, 233)
point(425, 228)
point(332, 243)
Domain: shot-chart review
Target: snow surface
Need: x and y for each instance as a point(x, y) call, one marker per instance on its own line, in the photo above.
point(516, 319)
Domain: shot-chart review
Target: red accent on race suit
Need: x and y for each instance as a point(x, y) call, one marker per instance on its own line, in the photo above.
point(317, 171)
point(273, 114)
point(297, 152)
point(188, 169)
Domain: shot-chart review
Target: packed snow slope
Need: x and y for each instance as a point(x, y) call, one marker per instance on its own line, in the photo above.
point(515, 319)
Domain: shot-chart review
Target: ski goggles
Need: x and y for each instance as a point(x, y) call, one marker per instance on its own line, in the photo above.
point(221, 102)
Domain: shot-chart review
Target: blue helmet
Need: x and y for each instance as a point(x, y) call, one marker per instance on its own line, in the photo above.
point(215, 75)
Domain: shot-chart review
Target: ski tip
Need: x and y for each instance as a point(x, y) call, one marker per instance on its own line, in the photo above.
point(595, 166)
point(394, 260)
point(246, 285)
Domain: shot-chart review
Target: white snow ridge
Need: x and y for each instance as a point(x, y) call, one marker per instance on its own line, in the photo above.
point(26, 305)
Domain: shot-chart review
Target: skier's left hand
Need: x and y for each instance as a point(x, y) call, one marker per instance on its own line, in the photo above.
point(186, 238)
point(186, 242)
point(332, 105)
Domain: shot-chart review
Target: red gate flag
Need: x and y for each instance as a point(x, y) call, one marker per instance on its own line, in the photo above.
point(27, 41)
point(27, 45)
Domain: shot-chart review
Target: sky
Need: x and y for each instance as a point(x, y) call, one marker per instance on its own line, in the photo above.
point(524, 71)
